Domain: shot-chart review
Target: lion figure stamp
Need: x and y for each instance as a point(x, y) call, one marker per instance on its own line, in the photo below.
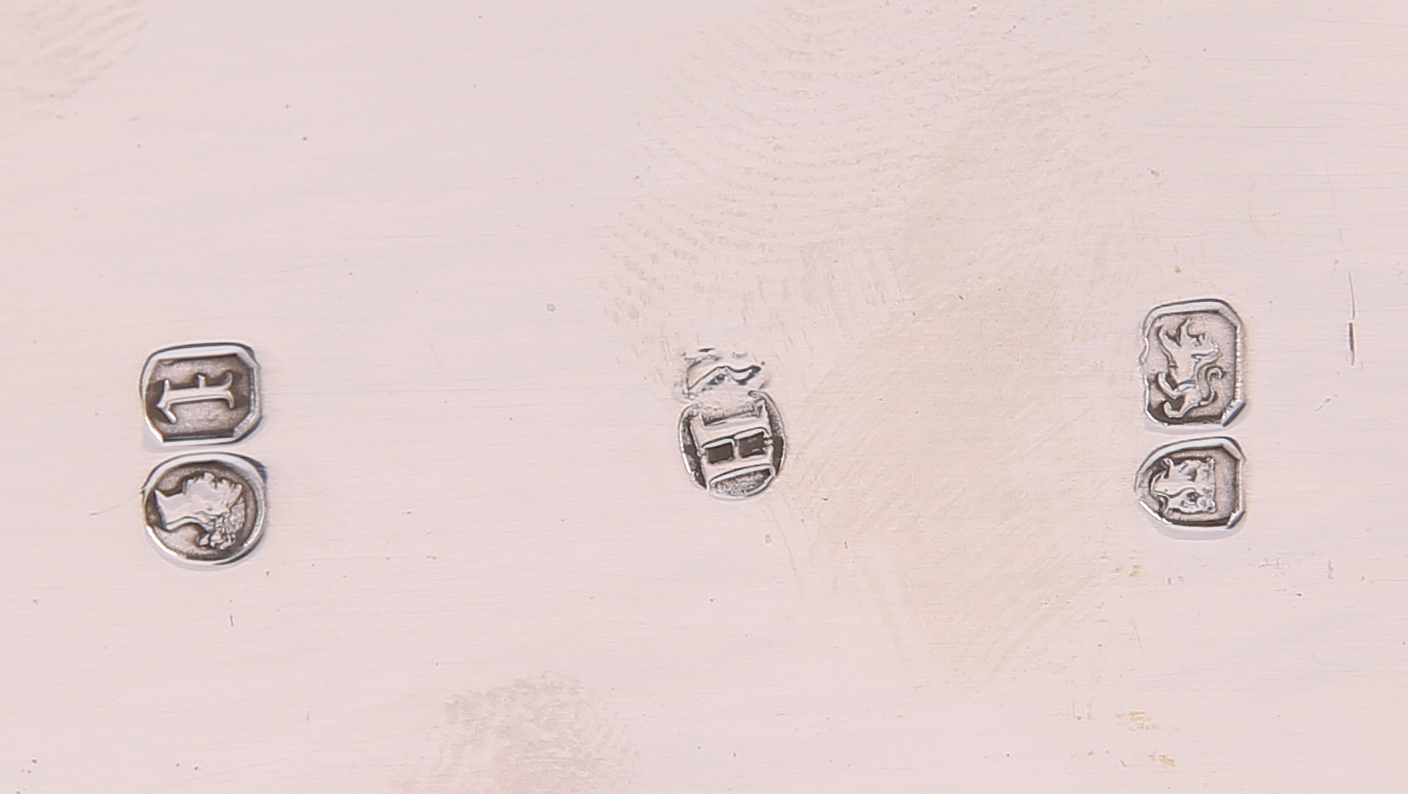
point(1193, 485)
point(205, 509)
point(1192, 363)
point(731, 433)
point(201, 394)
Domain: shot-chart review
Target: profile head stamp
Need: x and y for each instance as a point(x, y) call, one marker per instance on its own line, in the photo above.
point(731, 433)
point(1194, 488)
point(1192, 364)
point(206, 509)
point(201, 394)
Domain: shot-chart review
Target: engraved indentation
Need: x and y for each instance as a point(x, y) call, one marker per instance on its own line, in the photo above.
point(205, 508)
point(1192, 363)
point(202, 394)
point(214, 505)
point(192, 394)
point(730, 435)
point(1186, 487)
point(1186, 384)
point(1195, 485)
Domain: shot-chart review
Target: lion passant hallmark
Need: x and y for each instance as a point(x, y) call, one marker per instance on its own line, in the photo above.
point(731, 432)
point(1192, 368)
point(1192, 363)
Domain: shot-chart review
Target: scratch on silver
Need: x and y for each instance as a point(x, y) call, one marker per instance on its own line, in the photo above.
point(205, 508)
point(1193, 488)
point(1192, 363)
point(731, 433)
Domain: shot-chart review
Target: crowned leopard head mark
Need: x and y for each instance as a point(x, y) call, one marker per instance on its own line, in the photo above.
point(1185, 486)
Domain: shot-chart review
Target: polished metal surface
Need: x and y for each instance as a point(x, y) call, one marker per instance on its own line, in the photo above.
point(469, 244)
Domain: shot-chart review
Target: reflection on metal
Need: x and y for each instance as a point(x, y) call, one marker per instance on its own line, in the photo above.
point(731, 433)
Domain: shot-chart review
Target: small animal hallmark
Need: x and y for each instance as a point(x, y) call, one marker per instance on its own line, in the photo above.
point(1192, 363)
point(201, 394)
point(1194, 485)
point(205, 508)
point(731, 433)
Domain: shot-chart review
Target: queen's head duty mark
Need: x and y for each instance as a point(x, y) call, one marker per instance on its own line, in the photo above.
point(205, 509)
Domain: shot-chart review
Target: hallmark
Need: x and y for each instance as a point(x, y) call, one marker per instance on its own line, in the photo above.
point(1193, 485)
point(731, 433)
point(201, 394)
point(205, 508)
point(1192, 363)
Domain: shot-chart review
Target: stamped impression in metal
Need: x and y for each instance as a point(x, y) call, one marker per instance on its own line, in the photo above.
point(201, 394)
point(1192, 363)
point(205, 508)
point(1193, 485)
point(731, 434)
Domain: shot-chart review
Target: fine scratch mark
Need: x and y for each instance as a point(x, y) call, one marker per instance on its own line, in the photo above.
point(126, 501)
point(436, 353)
point(1353, 313)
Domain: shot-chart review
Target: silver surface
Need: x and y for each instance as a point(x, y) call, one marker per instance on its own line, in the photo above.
point(470, 242)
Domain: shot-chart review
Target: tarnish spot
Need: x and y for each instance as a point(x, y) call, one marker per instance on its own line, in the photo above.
point(49, 50)
point(850, 187)
point(540, 733)
point(1137, 721)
